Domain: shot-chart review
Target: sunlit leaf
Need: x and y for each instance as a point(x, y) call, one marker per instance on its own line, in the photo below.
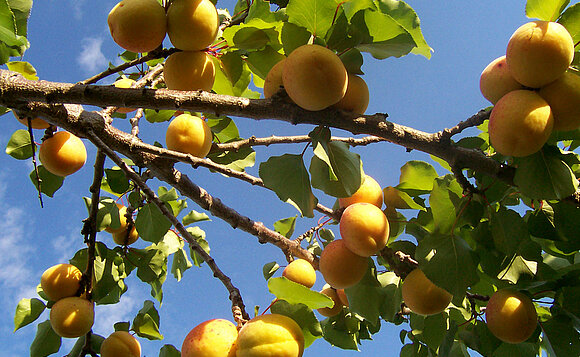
point(24, 68)
point(295, 293)
point(19, 146)
point(314, 15)
point(417, 178)
point(285, 226)
point(571, 20)
point(548, 10)
point(27, 311)
point(146, 323)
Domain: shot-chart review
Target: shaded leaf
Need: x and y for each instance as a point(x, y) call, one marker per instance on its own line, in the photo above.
point(146, 323)
point(269, 269)
point(169, 351)
point(180, 264)
point(49, 182)
point(303, 316)
point(19, 146)
point(46, 341)
point(151, 223)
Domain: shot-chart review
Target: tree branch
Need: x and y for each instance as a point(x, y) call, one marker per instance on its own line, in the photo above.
point(254, 141)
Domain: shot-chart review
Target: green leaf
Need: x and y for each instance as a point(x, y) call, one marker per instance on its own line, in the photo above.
point(49, 182)
point(548, 10)
point(180, 264)
point(287, 176)
point(146, 323)
point(417, 178)
point(199, 236)
point(295, 293)
point(335, 332)
point(194, 217)
point(448, 262)
point(117, 180)
point(303, 316)
point(260, 62)
point(158, 116)
point(571, 20)
point(444, 197)
point(233, 68)
point(430, 329)
point(27, 311)
point(96, 342)
point(24, 68)
point(545, 175)
point(562, 339)
point(151, 223)
point(169, 351)
point(19, 146)
point(46, 341)
point(269, 269)
point(285, 226)
point(314, 15)
point(518, 267)
point(508, 230)
point(293, 36)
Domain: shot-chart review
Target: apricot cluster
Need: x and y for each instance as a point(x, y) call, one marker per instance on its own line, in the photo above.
point(70, 316)
point(315, 78)
point(263, 336)
point(364, 229)
point(532, 91)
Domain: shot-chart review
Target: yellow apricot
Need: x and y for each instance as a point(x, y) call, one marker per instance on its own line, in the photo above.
point(511, 316)
point(192, 25)
point(392, 198)
point(356, 98)
point(520, 123)
point(189, 70)
point(60, 281)
point(212, 338)
point(35, 123)
point(496, 80)
point(422, 296)
point(340, 267)
point(369, 191)
point(124, 82)
point(300, 271)
point(189, 134)
point(334, 310)
point(62, 154)
point(539, 52)
point(563, 96)
point(72, 316)
point(273, 81)
point(270, 335)
point(120, 344)
point(314, 77)
point(122, 238)
point(122, 220)
point(364, 228)
point(138, 25)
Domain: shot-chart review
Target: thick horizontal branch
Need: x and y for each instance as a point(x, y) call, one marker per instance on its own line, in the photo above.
point(15, 90)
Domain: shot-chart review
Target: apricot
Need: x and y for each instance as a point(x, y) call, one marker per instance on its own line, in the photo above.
point(496, 80)
point(520, 123)
point(35, 123)
point(122, 238)
point(72, 316)
point(122, 220)
point(422, 296)
point(563, 96)
point(300, 271)
point(212, 338)
point(314, 77)
point(62, 154)
point(60, 281)
point(511, 316)
point(189, 70)
point(356, 98)
point(336, 308)
point(138, 25)
point(189, 134)
point(364, 229)
point(270, 335)
point(120, 344)
point(340, 267)
point(539, 52)
point(369, 191)
point(342, 297)
point(192, 25)
point(393, 199)
point(124, 82)
point(273, 80)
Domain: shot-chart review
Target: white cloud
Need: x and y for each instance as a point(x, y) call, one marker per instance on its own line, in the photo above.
point(91, 57)
point(107, 315)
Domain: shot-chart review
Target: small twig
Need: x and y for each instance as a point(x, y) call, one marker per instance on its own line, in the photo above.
point(253, 141)
point(401, 264)
point(474, 120)
point(33, 148)
point(468, 187)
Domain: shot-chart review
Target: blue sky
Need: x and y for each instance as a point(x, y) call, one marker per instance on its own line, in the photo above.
point(70, 41)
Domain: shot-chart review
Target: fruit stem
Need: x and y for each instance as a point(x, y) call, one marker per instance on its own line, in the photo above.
point(33, 147)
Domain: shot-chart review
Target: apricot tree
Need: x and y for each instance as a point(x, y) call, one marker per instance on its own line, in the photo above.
point(492, 222)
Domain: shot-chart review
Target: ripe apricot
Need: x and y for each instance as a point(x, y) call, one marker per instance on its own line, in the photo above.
point(563, 96)
point(511, 316)
point(212, 338)
point(520, 123)
point(340, 267)
point(369, 191)
point(62, 154)
point(122, 238)
point(122, 220)
point(60, 281)
point(364, 228)
point(539, 52)
point(189, 70)
point(273, 80)
point(422, 296)
point(393, 198)
point(300, 271)
point(342, 297)
point(120, 344)
point(496, 80)
point(35, 123)
point(314, 77)
point(189, 134)
point(192, 25)
point(72, 316)
point(138, 25)
point(334, 310)
point(124, 82)
point(356, 98)
point(270, 335)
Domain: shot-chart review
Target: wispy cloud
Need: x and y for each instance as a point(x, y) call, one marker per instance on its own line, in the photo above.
point(91, 57)
point(125, 310)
